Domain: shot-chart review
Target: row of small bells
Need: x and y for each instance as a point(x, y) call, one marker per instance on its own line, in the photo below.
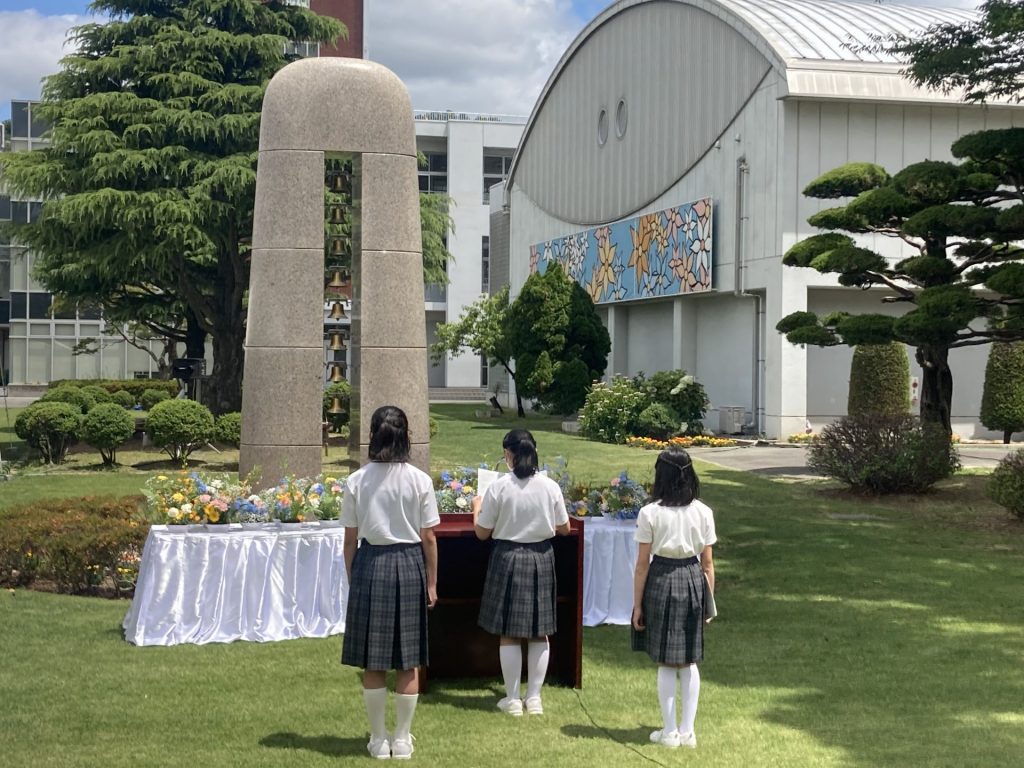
point(338, 182)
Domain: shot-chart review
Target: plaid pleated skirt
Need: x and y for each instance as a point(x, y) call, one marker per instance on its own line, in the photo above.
point(519, 590)
point(386, 617)
point(673, 605)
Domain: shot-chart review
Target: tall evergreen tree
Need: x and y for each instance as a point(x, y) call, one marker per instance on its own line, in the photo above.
point(150, 173)
point(1002, 400)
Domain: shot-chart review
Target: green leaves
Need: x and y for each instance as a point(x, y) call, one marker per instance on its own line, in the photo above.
point(847, 181)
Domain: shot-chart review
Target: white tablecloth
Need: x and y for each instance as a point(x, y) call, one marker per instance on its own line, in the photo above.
point(609, 556)
point(273, 582)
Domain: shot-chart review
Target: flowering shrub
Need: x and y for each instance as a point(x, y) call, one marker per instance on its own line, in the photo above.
point(611, 411)
point(802, 438)
point(191, 498)
point(696, 441)
point(621, 499)
point(455, 490)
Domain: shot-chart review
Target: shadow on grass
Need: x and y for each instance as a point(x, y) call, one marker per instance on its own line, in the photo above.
point(637, 736)
point(331, 746)
point(480, 699)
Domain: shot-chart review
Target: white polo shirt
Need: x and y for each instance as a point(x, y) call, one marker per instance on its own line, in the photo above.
point(677, 532)
point(389, 502)
point(525, 511)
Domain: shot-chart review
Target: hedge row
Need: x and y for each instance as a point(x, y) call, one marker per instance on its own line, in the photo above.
point(90, 545)
point(134, 386)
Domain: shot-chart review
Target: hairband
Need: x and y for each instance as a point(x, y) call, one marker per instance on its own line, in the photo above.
point(677, 466)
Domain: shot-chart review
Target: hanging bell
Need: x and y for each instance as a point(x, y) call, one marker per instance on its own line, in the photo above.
point(340, 182)
point(337, 342)
point(336, 407)
point(336, 375)
point(336, 280)
point(337, 311)
point(337, 214)
point(337, 246)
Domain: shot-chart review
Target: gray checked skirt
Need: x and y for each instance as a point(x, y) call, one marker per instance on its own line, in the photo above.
point(386, 617)
point(519, 590)
point(673, 606)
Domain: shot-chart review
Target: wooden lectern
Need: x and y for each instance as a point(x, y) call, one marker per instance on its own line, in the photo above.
point(458, 647)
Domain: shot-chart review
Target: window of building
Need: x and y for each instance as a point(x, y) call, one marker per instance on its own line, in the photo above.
point(485, 265)
point(484, 370)
point(37, 125)
point(19, 119)
point(496, 169)
point(19, 211)
point(39, 306)
point(19, 305)
point(434, 177)
point(5, 207)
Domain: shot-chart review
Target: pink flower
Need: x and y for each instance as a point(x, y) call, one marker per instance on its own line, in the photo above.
point(615, 481)
point(455, 485)
point(205, 498)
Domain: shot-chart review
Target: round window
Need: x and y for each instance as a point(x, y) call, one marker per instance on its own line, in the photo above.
point(621, 118)
point(602, 127)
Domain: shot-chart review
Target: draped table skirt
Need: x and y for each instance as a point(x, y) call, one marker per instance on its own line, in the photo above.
point(225, 583)
point(609, 556)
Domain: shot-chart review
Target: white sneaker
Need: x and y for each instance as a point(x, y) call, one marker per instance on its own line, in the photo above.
point(379, 749)
point(533, 706)
point(688, 740)
point(512, 707)
point(401, 748)
point(668, 739)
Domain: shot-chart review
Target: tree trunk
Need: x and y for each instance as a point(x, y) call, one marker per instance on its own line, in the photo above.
point(520, 411)
point(936, 386)
point(195, 335)
point(223, 389)
point(1007, 435)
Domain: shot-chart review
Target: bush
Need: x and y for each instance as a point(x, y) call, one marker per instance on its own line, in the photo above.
point(179, 427)
point(123, 398)
point(151, 397)
point(343, 391)
point(49, 427)
point(568, 391)
point(683, 395)
point(228, 429)
point(879, 380)
point(78, 397)
point(433, 427)
point(611, 411)
point(99, 394)
point(884, 454)
point(1006, 486)
point(657, 420)
point(1002, 399)
point(80, 545)
point(106, 427)
point(135, 387)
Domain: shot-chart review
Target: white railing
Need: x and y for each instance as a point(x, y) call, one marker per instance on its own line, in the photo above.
point(445, 115)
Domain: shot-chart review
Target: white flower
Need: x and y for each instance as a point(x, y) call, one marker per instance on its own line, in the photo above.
point(254, 498)
point(186, 509)
point(683, 427)
point(461, 502)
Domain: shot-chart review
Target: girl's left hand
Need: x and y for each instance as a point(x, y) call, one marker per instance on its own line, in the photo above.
point(638, 619)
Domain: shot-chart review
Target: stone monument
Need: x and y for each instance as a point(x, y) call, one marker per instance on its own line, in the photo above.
point(314, 107)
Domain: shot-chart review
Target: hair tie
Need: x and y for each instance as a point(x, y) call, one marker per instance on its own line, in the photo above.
point(680, 467)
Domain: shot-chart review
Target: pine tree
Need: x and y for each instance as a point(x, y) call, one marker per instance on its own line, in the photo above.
point(1002, 400)
point(150, 174)
point(879, 380)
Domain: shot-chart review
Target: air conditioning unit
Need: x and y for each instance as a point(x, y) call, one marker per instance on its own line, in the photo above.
point(731, 419)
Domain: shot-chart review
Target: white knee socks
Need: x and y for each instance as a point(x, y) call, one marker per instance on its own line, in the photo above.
point(667, 697)
point(511, 657)
point(405, 707)
point(689, 679)
point(537, 655)
point(376, 699)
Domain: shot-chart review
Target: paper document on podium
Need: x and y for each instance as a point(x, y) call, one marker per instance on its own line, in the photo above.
point(484, 478)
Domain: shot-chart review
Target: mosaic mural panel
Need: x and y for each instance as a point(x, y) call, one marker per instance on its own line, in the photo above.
point(658, 254)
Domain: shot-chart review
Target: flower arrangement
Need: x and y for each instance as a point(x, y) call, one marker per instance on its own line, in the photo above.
point(455, 490)
point(191, 498)
point(802, 438)
point(687, 441)
point(621, 499)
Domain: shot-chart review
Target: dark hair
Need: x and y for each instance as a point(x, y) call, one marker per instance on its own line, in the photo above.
point(524, 452)
point(389, 434)
point(675, 481)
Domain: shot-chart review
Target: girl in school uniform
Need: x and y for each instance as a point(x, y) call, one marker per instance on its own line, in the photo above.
point(674, 578)
point(522, 512)
point(389, 510)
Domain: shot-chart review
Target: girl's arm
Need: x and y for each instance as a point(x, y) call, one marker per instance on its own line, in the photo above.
point(349, 548)
point(481, 533)
point(708, 565)
point(429, 542)
point(643, 565)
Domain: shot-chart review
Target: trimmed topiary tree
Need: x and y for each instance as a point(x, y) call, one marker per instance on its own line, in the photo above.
point(657, 420)
point(123, 398)
point(1006, 486)
point(1002, 400)
point(151, 397)
point(50, 427)
point(106, 427)
point(228, 429)
point(179, 427)
point(76, 396)
point(99, 394)
point(683, 394)
point(879, 380)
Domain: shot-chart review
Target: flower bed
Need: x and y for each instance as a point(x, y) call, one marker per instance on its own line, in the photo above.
point(694, 441)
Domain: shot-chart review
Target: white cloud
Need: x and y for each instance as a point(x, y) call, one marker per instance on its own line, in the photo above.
point(32, 48)
point(470, 55)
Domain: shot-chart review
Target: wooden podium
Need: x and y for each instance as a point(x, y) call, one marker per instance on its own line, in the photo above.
point(458, 647)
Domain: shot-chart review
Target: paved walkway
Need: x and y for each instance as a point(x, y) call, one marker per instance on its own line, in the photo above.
point(791, 460)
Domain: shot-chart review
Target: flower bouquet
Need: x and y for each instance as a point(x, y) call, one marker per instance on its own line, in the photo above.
point(190, 498)
point(620, 500)
point(325, 496)
point(289, 502)
point(456, 490)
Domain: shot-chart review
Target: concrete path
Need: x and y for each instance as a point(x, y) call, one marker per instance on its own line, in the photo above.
point(787, 460)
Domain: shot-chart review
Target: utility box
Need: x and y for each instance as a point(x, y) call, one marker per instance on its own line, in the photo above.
point(731, 419)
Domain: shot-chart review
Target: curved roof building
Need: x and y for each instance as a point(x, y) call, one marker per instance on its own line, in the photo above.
point(663, 164)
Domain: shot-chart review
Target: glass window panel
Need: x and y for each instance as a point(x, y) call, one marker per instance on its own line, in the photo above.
point(19, 304)
point(63, 360)
point(88, 366)
point(63, 310)
point(437, 163)
point(39, 125)
point(5, 207)
point(19, 211)
point(19, 119)
point(19, 329)
point(34, 209)
point(37, 370)
point(39, 306)
point(64, 329)
point(17, 372)
point(508, 166)
point(424, 183)
point(438, 183)
point(5, 276)
point(86, 312)
point(112, 365)
point(492, 164)
point(138, 360)
point(89, 330)
point(39, 329)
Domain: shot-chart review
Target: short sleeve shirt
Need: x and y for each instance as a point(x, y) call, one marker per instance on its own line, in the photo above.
point(389, 503)
point(524, 510)
point(676, 532)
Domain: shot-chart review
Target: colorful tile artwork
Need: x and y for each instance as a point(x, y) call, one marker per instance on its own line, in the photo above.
point(657, 254)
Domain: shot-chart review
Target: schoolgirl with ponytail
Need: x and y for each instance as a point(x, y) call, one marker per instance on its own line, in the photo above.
point(522, 512)
point(672, 585)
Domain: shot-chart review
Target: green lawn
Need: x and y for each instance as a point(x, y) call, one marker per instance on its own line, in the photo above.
point(895, 641)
